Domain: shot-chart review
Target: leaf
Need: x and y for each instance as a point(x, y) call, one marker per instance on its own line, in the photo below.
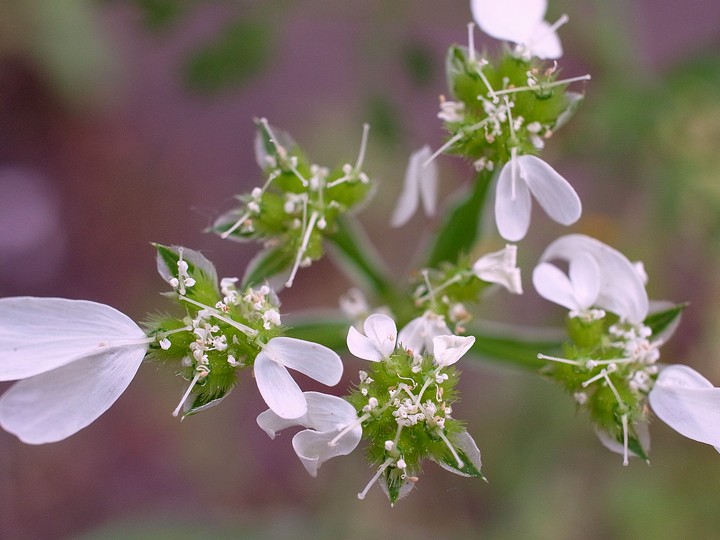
point(240, 52)
point(515, 345)
point(265, 265)
point(462, 226)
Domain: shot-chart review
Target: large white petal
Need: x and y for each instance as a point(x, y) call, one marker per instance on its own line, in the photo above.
point(327, 413)
point(622, 290)
point(312, 359)
point(511, 20)
point(688, 403)
point(552, 284)
point(512, 204)
point(277, 387)
point(382, 332)
point(555, 194)
point(41, 334)
point(313, 449)
point(56, 404)
point(585, 279)
point(271, 423)
point(362, 346)
point(544, 42)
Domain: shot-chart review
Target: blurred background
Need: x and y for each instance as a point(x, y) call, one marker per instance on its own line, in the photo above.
point(124, 122)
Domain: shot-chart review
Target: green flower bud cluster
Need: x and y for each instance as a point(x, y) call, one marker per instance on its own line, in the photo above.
point(405, 405)
point(298, 204)
point(609, 369)
point(222, 330)
point(502, 108)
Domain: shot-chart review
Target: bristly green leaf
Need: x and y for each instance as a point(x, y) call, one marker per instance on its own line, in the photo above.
point(660, 321)
point(461, 229)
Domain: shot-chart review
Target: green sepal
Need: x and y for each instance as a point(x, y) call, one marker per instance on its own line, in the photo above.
point(461, 229)
point(395, 486)
point(636, 448)
point(468, 469)
point(200, 268)
point(265, 265)
point(203, 402)
point(660, 321)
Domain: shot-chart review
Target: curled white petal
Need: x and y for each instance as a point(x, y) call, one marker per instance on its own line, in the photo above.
point(418, 334)
point(554, 194)
point(311, 359)
point(41, 334)
point(379, 339)
point(56, 404)
point(621, 288)
point(688, 403)
point(281, 393)
point(420, 185)
point(500, 267)
point(449, 349)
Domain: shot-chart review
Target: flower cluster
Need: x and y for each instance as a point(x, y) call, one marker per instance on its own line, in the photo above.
point(297, 205)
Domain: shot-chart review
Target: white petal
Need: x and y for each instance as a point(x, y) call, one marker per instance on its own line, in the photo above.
point(278, 389)
point(312, 359)
point(511, 20)
point(271, 423)
point(449, 349)
point(41, 334)
point(500, 267)
point(419, 182)
point(512, 206)
point(382, 332)
point(362, 346)
point(544, 42)
point(327, 413)
point(313, 449)
point(585, 279)
point(56, 404)
point(555, 194)
point(688, 403)
point(418, 334)
point(553, 285)
point(621, 291)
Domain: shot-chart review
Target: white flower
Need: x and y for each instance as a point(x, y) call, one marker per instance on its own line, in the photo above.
point(689, 403)
point(619, 286)
point(75, 359)
point(277, 387)
point(419, 333)
point(449, 349)
point(379, 340)
point(500, 267)
point(326, 416)
point(521, 22)
point(420, 184)
point(525, 175)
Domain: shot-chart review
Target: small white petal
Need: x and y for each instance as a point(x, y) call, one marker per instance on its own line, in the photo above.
point(362, 346)
point(271, 423)
point(56, 404)
point(513, 205)
point(449, 349)
point(500, 267)
point(554, 194)
point(688, 403)
point(277, 387)
point(312, 359)
point(313, 449)
point(41, 334)
point(511, 20)
point(418, 334)
point(420, 183)
point(382, 330)
point(544, 42)
point(326, 412)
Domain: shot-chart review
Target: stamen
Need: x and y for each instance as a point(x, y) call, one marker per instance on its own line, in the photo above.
point(460, 463)
point(455, 138)
point(513, 164)
point(235, 225)
point(602, 374)
point(612, 387)
point(491, 92)
point(273, 140)
point(543, 86)
point(624, 420)
point(347, 429)
point(558, 359)
point(431, 293)
point(363, 147)
point(215, 313)
point(199, 375)
point(303, 247)
point(375, 478)
point(471, 41)
point(127, 342)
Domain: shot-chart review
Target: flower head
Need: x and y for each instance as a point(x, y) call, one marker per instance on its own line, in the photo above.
point(326, 416)
point(528, 175)
point(74, 358)
point(420, 185)
point(521, 22)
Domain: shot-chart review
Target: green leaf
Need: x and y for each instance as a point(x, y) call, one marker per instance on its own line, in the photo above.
point(660, 321)
point(462, 226)
point(468, 469)
point(239, 53)
point(515, 345)
point(266, 264)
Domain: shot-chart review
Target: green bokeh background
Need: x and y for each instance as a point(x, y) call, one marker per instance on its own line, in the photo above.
point(124, 122)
